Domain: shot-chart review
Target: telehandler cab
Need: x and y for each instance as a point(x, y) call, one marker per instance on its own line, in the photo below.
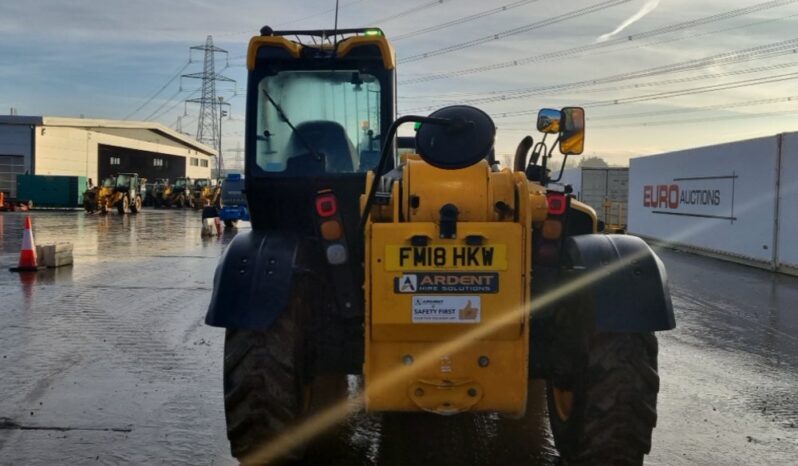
point(446, 281)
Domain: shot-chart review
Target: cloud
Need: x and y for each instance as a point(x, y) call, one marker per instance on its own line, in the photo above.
point(650, 6)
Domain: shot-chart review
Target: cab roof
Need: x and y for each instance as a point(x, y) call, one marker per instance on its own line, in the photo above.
point(340, 42)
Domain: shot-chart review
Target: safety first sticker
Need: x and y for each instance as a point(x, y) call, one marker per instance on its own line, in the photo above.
point(446, 309)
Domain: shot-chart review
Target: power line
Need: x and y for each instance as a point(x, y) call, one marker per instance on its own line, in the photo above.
point(787, 47)
point(157, 114)
point(158, 92)
point(379, 21)
point(680, 111)
point(175, 104)
point(600, 45)
point(462, 20)
point(408, 12)
point(383, 20)
point(677, 111)
point(163, 104)
point(681, 121)
point(297, 20)
point(702, 77)
point(695, 90)
point(519, 30)
point(457, 96)
point(321, 13)
point(670, 94)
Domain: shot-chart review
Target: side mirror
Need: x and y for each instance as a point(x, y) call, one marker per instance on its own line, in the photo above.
point(549, 121)
point(465, 141)
point(572, 137)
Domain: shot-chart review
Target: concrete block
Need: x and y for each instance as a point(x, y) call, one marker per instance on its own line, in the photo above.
point(54, 255)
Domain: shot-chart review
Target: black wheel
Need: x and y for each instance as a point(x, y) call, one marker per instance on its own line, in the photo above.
point(89, 206)
point(135, 207)
point(229, 224)
point(266, 391)
point(180, 202)
point(607, 416)
point(123, 205)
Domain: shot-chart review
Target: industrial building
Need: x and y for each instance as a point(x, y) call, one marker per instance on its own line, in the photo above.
point(43, 145)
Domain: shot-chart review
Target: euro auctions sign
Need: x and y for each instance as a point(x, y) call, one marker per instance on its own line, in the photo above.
point(701, 196)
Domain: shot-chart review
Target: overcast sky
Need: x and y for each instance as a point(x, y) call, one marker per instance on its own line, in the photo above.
point(105, 58)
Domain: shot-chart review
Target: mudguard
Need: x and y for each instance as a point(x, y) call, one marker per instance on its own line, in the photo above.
point(630, 291)
point(253, 280)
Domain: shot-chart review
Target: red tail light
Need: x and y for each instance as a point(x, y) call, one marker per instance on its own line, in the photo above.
point(326, 205)
point(557, 203)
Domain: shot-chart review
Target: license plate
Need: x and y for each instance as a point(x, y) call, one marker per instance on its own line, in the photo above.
point(459, 257)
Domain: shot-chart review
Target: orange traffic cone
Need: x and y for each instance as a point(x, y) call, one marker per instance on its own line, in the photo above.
point(27, 256)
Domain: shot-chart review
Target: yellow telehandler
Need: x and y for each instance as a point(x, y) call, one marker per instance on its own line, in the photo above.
point(179, 193)
point(96, 197)
point(206, 190)
point(445, 280)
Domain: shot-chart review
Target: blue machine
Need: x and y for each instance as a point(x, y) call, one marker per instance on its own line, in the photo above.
point(234, 203)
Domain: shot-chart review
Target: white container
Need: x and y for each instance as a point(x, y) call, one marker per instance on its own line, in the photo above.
point(719, 199)
point(606, 191)
point(787, 250)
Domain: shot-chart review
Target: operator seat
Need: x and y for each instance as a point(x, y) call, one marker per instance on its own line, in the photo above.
point(328, 138)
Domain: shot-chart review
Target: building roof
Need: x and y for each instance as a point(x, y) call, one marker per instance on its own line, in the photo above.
point(101, 123)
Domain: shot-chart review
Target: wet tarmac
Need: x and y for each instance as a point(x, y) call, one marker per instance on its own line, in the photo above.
point(108, 362)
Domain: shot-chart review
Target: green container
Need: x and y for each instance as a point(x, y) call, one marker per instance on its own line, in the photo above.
point(51, 191)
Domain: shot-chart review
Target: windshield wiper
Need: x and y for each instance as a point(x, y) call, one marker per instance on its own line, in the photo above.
point(293, 128)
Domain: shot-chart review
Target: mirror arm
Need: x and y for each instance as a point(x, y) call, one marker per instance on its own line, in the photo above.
point(553, 145)
point(386, 153)
point(539, 148)
point(562, 168)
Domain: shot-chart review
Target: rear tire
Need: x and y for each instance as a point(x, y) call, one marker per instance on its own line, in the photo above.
point(265, 383)
point(136, 206)
point(123, 205)
point(614, 403)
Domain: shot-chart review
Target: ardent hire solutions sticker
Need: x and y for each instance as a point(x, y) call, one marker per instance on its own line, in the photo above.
point(446, 309)
point(457, 283)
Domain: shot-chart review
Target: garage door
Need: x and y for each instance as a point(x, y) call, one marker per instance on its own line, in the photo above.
point(10, 167)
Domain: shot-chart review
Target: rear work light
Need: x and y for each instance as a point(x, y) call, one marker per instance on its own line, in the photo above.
point(331, 230)
point(552, 229)
point(331, 227)
point(336, 254)
point(326, 205)
point(557, 203)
